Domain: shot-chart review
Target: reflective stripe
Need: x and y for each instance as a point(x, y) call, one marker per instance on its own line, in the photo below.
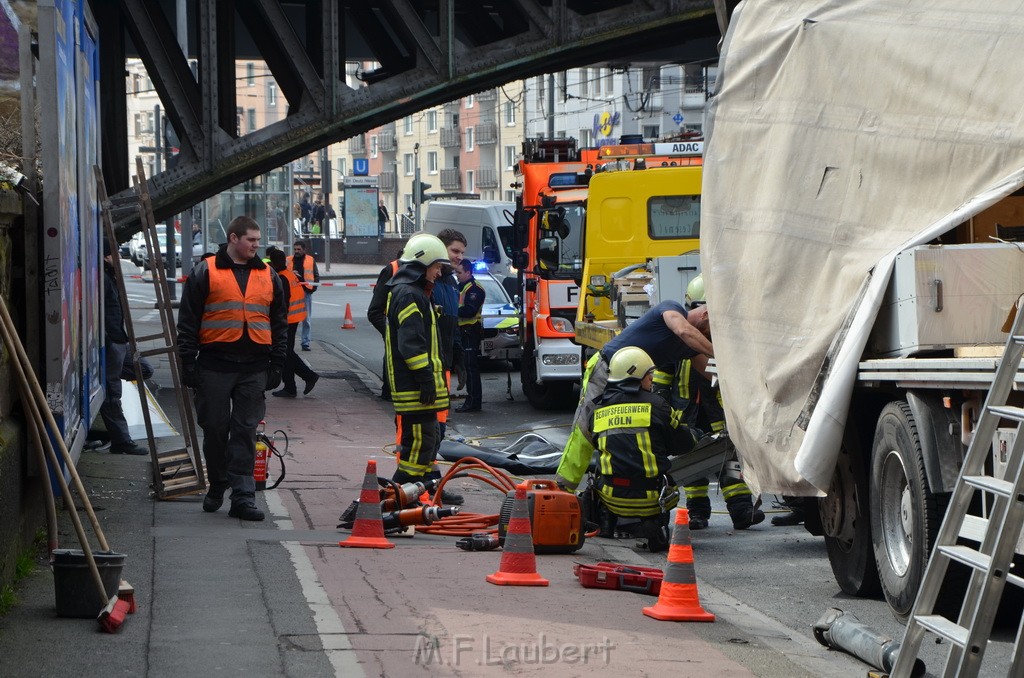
point(233, 305)
point(408, 311)
point(417, 362)
point(643, 442)
point(474, 320)
point(696, 491)
point(740, 489)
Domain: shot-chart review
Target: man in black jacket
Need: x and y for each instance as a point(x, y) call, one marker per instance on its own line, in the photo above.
point(232, 340)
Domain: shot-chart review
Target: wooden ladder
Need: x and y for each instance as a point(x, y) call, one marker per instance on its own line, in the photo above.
point(991, 562)
point(177, 469)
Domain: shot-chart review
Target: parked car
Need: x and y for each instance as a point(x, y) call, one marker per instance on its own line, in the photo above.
point(501, 319)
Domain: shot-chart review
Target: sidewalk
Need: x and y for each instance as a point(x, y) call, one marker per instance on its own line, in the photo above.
point(217, 595)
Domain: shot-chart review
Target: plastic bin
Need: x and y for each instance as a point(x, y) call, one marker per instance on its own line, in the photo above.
point(74, 587)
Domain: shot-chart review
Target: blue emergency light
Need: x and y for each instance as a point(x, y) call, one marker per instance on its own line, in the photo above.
point(479, 266)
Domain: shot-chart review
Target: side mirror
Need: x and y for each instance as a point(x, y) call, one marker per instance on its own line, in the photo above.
point(491, 255)
point(511, 286)
point(547, 253)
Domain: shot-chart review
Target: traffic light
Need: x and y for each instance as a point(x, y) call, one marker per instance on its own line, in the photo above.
point(419, 192)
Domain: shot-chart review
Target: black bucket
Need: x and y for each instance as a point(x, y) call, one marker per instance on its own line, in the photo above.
point(73, 584)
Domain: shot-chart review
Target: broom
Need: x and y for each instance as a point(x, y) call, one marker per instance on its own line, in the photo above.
point(113, 614)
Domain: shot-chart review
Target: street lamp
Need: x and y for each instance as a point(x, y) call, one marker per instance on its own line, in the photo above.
point(416, 185)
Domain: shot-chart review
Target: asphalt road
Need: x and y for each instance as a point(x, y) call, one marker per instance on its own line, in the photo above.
point(778, 578)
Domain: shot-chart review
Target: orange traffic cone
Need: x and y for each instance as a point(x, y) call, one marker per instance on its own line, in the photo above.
point(678, 598)
point(518, 562)
point(348, 324)
point(368, 529)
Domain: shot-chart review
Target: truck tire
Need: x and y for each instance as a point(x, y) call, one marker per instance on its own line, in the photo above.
point(847, 527)
point(905, 513)
point(554, 395)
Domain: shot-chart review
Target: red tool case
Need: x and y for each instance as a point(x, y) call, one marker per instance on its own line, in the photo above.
point(619, 577)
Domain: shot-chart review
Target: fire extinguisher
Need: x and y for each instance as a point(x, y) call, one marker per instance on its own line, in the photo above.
point(264, 449)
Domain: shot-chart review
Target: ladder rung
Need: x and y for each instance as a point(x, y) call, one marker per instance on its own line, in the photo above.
point(1008, 412)
point(149, 337)
point(967, 556)
point(1003, 488)
point(941, 626)
point(1018, 339)
point(177, 458)
point(179, 483)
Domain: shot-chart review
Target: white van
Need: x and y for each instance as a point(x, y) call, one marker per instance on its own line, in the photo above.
point(485, 223)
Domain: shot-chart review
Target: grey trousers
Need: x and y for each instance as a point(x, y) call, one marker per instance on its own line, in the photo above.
point(110, 410)
point(229, 407)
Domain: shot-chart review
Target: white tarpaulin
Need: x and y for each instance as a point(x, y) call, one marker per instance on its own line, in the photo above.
point(843, 132)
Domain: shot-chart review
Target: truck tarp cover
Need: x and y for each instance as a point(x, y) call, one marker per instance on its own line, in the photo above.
point(842, 132)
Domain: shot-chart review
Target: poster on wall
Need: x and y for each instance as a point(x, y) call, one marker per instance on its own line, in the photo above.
point(361, 206)
point(70, 251)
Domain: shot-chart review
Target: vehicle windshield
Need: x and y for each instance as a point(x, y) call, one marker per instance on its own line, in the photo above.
point(493, 291)
point(570, 256)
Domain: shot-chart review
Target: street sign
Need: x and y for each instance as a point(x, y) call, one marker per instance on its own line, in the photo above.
point(360, 166)
point(678, 118)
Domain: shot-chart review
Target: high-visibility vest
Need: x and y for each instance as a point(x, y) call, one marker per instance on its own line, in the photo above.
point(473, 320)
point(296, 299)
point(228, 310)
point(307, 271)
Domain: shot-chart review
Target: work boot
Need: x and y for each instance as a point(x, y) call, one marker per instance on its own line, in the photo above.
point(246, 511)
point(795, 515)
point(699, 509)
point(609, 522)
point(743, 513)
point(653, 535)
point(214, 498)
point(128, 448)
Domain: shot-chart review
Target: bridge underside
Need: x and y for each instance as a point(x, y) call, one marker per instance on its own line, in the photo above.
point(429, 51)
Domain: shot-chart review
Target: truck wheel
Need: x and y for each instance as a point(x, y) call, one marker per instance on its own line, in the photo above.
point(905, 514)
point(555, 395)
point(847, 528)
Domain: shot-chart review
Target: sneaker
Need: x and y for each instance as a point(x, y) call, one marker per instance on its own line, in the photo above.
point(451, 498)
point(310, 384)
point(246, 512)
point(96, 445)
point(130, 448)
point(214, 498)
point(284, 393)
point(306, 348)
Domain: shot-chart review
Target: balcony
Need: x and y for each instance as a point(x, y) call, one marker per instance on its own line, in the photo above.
point(486, 178)
point(386, 142)
point(486, 133)
point(451, 179)
point(487, 95)
point(451, 137)
point(386, 182)
point(357, 145)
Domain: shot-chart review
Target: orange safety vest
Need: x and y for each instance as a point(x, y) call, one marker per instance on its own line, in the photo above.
point(228, 310)
point(296, 299)
point(307, 271)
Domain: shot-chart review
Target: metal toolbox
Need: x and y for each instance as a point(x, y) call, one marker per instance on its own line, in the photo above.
point(947, 296)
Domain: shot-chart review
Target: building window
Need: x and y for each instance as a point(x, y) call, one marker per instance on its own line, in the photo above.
point(540, 92)
point(407, 164)
point(251, 114)
point(373, 146)
point(584, 85)
point(407, 124)
point(239, 112)
point(432, 121)
point(597, 81)
point(470, 100)
point(609, 81)
point(470, 181)
point(469, 138)
point(510, 157)
point(455, 120)
point(510, 196)
point(432, 162)
point(510, 113)
point(652, 132)
point(342, 166)
point(272, 94)
point(585, 138)
point(250, 74)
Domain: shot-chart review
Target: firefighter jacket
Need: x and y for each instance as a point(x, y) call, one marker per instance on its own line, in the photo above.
point(634, 437)
point(471, 302)
point(412, 344)
point(296, 297)
point(305, 267)
point(694, 401)
point(233, 317)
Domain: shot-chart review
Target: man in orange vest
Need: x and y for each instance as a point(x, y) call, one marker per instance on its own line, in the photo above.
point(232, 340)
point(304, 266)
point(293, 364)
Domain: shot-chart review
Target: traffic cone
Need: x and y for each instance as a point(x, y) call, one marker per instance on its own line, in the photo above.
point(348, 324)
point(678, 598)
point(518, 562)
point(368, 529)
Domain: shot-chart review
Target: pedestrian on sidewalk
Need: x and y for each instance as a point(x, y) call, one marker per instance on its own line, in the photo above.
point(293, 364)
point(304, 265)
point(232, 341)
point(471, 329)
point(116, 345)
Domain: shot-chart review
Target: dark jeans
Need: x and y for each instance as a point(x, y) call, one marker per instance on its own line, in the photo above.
point(471, 355)
point(128, 369)
point(229, 407)
point(293, 364)
point(110, 410)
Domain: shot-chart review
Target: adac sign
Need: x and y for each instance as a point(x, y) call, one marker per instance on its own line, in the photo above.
point(604, 122)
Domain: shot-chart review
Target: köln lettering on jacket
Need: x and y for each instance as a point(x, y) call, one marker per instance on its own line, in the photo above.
point(626, 415)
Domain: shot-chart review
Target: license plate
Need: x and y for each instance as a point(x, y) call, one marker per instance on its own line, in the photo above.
point(487, 345)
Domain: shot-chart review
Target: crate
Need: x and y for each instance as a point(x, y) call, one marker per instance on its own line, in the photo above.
point(618, 577)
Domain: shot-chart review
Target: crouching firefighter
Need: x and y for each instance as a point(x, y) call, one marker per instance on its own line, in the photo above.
point(632, 430)
point(412, 349)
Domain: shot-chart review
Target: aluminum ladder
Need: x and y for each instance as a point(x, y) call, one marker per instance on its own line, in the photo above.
point(989, 563)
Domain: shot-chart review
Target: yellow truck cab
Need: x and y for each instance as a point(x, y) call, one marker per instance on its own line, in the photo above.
point(634, 216)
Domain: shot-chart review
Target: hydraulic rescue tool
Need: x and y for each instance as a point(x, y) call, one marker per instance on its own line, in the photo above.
point(479, 541)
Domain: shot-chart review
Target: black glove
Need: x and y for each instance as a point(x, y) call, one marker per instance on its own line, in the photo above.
point(428, 393)
point(273, 378)
point(190, 375)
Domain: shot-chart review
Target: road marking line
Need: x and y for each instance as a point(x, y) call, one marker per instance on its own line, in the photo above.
point(326, 303)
